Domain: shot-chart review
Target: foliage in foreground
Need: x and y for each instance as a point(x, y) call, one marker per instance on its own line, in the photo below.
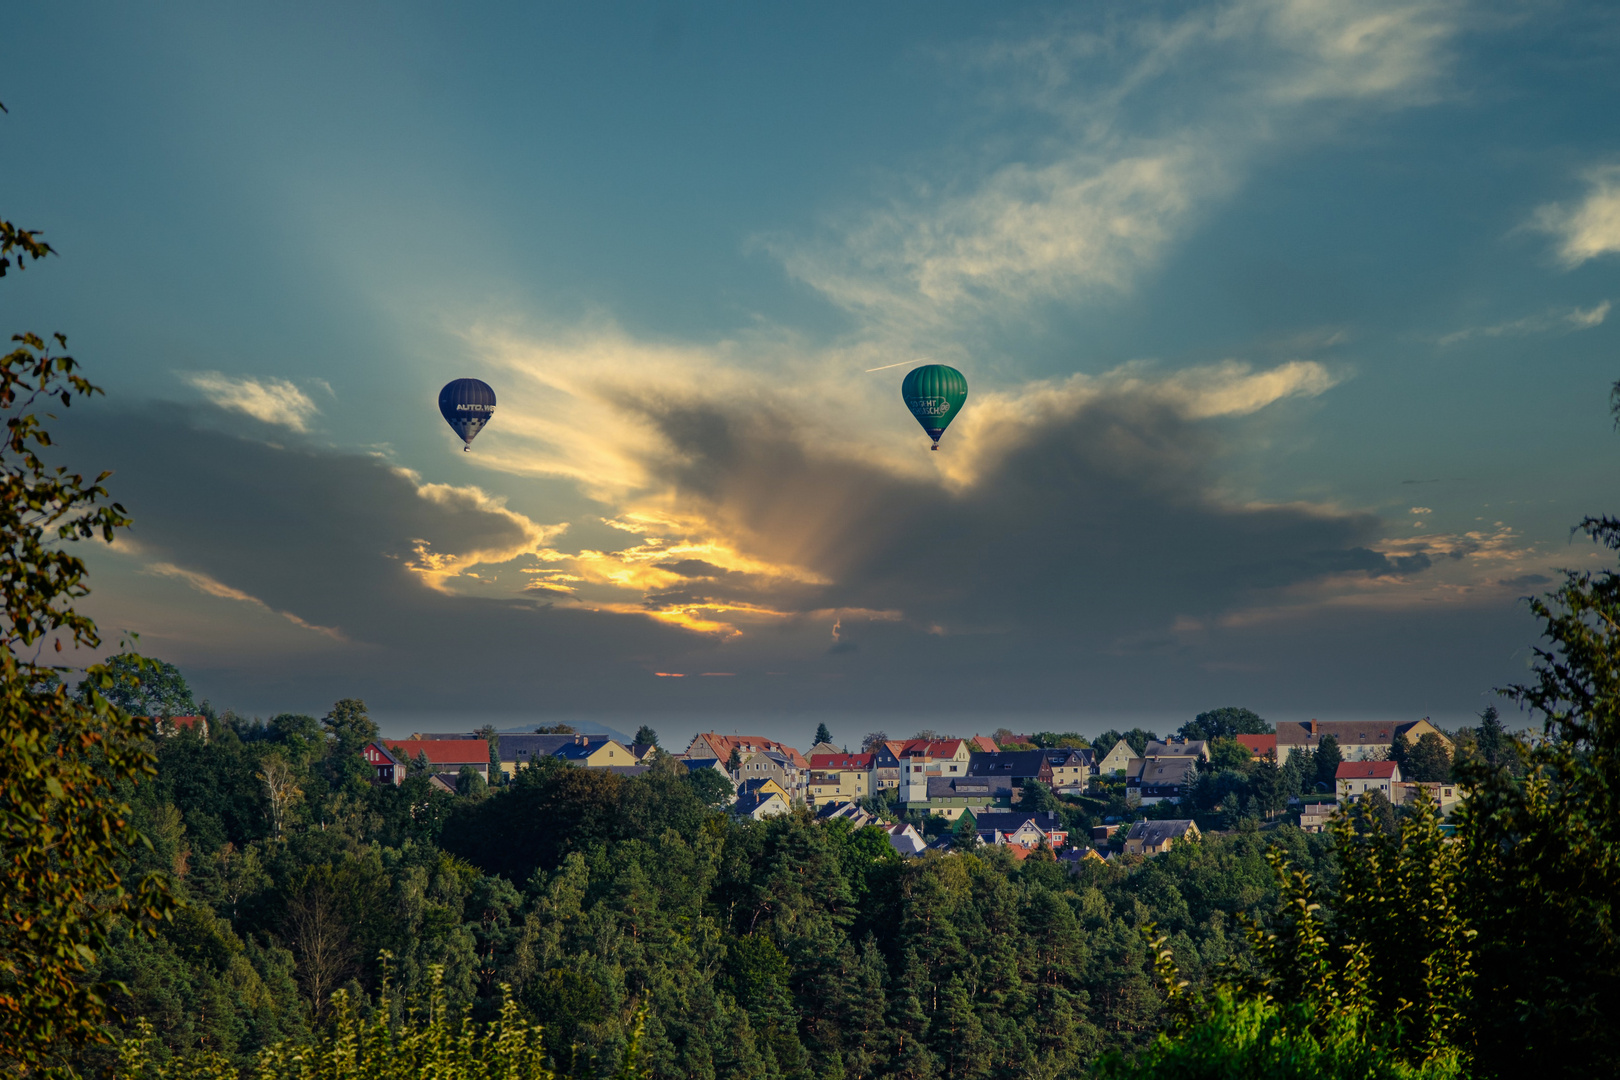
point(65, 833)
point(1497, 953)
point(1542, 853)
point(1257, 1039)
point(1381, 991)
point(431, 1039)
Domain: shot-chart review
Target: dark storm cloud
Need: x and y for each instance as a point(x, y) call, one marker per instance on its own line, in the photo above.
point(330, 538)
point(1096, 525)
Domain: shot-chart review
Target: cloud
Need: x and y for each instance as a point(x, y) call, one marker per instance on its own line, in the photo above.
point(1136, 149)
point(1590, 228)
point(208, 586)
point(811, 572)
point(1564, 319)
point(274, 401)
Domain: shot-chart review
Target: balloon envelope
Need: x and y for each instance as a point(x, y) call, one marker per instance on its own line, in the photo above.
point(934, 393)
point(467, 405)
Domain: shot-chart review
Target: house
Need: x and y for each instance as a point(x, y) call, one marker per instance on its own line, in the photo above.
point(1156, 837)
point(838, 777)
point(763, 785)
point(1314, 817)
point(1197, 749)
point(710, 744)
point(885, 766)
point(905, 839)
point(1445, 797)
point(1166, 779)
point(594, 752)
point(1072, 770)
point(1116, 760)
point(924, 758)
point(392, 758)
point(846, 811)
point(822, 748)
point(1074, 856)
point(1359, 740)
point(173, 725)
point(760, 805)
point(777, 766)
point(387, 768)
point(982, 744)
point(1015, 765)
point(1021, 827)
point(1355, 778)
point(1260, 745)
point(641, 751)
point(518, 750)
point(952, 796)
point(1416, 729)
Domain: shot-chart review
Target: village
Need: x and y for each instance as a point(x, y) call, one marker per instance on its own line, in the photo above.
point(943, 794)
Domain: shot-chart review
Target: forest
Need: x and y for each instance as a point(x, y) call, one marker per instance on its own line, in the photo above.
point(786, 947)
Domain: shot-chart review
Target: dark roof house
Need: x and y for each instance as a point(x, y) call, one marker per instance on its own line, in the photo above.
point(1154, 837)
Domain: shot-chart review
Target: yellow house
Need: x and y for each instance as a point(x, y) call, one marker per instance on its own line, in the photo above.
point(763, 787)
point(836, 778)
point(1417, 729)
point(596, 755)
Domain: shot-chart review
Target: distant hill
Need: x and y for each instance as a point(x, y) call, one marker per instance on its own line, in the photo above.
point(584, 727)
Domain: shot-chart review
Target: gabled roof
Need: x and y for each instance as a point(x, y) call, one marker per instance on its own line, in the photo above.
point(438, 751)
point(1162, 748)
point(750, 803)
point(1018, 763)
point(1010, 821)
point(983, 743)
point(849, 811)
point(722, 745)
point(840, 761)
point(1154, 833)
point(534, 747)
point(580, 751)
point(1367, 770)
point(761, 783)
point(948, 787)
point(932, 748)
point(1259, 745)
point(1348, 732)
point(1159, 772)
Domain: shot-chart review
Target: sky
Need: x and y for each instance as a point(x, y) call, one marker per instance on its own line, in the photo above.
point(1288, 327)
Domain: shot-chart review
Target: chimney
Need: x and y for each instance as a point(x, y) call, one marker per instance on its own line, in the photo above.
point(1313, 727)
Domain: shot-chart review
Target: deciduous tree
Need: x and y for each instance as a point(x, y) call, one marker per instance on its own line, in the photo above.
point(65, 829)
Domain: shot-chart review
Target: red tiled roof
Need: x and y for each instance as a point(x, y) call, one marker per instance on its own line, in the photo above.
point(840, 761)
point(1259, 745)
point(934, 748)
point(750, 744)
point(984, 743)
point(1365, 770)
point(440, 751)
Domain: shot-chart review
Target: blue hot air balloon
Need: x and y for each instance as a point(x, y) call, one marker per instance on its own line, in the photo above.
point(467, 405)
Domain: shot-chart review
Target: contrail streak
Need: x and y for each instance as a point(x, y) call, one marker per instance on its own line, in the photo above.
point(886, 367)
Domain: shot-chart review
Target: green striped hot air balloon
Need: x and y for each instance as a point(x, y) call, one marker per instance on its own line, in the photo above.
point(934, 393)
